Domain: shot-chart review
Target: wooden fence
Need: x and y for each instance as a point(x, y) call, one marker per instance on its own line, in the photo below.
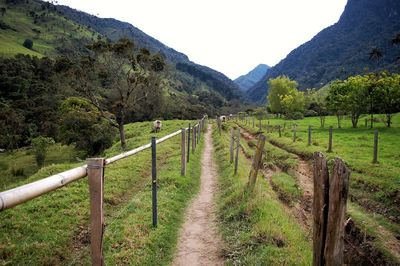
point(94, 169)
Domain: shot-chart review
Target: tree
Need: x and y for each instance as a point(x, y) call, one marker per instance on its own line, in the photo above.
point(126, 79)
point(28, 43)
point(388, 93)
point(278, 87)
point(336, 99)
point(356, 97)
point(82, 124)
point(316, 100)
point(40, 146)
point(292, 102)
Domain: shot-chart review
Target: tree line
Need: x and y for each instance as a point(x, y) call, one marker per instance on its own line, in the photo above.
point(372, 93)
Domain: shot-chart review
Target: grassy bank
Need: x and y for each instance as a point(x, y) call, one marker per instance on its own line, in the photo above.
point(258, 229)
point(53, 229)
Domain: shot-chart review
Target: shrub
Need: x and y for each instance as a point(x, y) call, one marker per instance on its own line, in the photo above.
point(28, 43)
point(310, 113)
point(40, 146)
point(295, 116)
point(83, 125)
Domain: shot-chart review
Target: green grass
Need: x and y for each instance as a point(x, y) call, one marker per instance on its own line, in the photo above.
point(55, 32)
point(287, 186)
point(376, 184)
point(257, 229)
point(53, 229)
point(24, 160)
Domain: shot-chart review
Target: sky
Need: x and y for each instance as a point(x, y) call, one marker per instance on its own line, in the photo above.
point(231, 36)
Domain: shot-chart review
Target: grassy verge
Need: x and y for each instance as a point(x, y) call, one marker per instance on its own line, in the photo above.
point(257, 229)
point(286, 186)
point(53, 229)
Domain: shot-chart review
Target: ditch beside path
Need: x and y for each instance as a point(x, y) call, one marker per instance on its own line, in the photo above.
point(199, 242)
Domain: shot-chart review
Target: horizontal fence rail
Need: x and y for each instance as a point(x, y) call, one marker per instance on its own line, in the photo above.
point(13, 197)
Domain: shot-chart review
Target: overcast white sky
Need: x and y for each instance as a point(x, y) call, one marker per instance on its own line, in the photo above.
point(231, 36)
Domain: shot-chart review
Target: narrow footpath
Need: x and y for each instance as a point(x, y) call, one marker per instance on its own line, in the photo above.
point(199, 242)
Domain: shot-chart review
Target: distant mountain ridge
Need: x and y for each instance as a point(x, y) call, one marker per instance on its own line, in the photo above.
point(342, 49)
point(245, 82)
point(115, 29)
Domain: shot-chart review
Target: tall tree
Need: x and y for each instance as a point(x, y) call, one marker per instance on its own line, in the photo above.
point(336, 99)
point(278, 88)
point(388, 93)
point(125, 77)
point(356, 97)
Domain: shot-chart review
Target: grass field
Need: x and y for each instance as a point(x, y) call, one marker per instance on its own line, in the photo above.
point(374, 188)
point(257, 229)
point(53, 229)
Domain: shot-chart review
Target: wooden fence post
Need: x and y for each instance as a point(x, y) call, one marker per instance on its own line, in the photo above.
point(279, 129)
point(330, 196)
point(309, 135)
point(231, 145)
point(256, 164)
point(294, 133)
point(253, 121)
point(375, 160)
point(183, 152)
point(330, 139)
point(188, 143)
point(154, 179)
point(198, 133)
point(237, 150)
point(193, 139)
point(259, 124)
point(95, 171)
point(320, 209)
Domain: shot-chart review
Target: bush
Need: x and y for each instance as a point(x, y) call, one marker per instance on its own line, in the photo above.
point(15, 171)
point(28, 43)
point(295, 116)
point(83, 125)
point(310, 113)
point(40, 146)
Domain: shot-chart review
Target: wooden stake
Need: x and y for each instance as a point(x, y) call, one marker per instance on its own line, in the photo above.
point(237, 150)
point(188, 143)
point(95, 170)
point(375, 160)
point(309, 135)
point(338, 192)
point(279, 129)
point(183, 152)
point(256, 164)
point(193, 139)
point(231, 145)
point(330, 139)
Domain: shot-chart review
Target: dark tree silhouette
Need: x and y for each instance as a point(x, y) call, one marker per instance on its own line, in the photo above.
point(375, 54)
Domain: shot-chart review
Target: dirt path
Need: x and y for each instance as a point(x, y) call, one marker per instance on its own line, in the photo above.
point(199, 242)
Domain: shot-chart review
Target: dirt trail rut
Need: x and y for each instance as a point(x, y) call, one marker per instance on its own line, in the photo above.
point(199, 242)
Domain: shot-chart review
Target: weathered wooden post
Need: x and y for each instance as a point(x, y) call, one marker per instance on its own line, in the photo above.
point(193, 139)
point(237, 150)
point(195, 136)
point(309, 136)
point(256, 164)
point(320, 209)
point(183, 152)
point(231, 145)
point(294, 133)
point(188, 143)
point(95, 171)
point(329, 205)
point(375, 160)
point(154, 179)
point(330, 139)
point(198, 133)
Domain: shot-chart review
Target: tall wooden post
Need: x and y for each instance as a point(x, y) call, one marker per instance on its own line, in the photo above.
point(330, 139)
point(309, 135)
point(256, 164)
point(279, 129)
point(294, 133)
point(95, 170)
point(154, 179)
point(237, 150)
point(375, 160)
point(183, 152)
point(198, 133)
point(193, 139)
point(188, 143)
point(231, 145)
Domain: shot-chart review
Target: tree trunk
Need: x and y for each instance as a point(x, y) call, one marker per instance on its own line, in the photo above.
point(354, 120)
point(322, 120)
point(122, 135)
point(388, 120)
point(338, 120)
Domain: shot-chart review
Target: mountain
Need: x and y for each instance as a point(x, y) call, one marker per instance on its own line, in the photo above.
point(114, 30)
point(342, 49)
point(245, 82)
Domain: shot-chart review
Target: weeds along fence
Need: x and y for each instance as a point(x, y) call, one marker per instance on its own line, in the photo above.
point(94, 170)
point(329, 202)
